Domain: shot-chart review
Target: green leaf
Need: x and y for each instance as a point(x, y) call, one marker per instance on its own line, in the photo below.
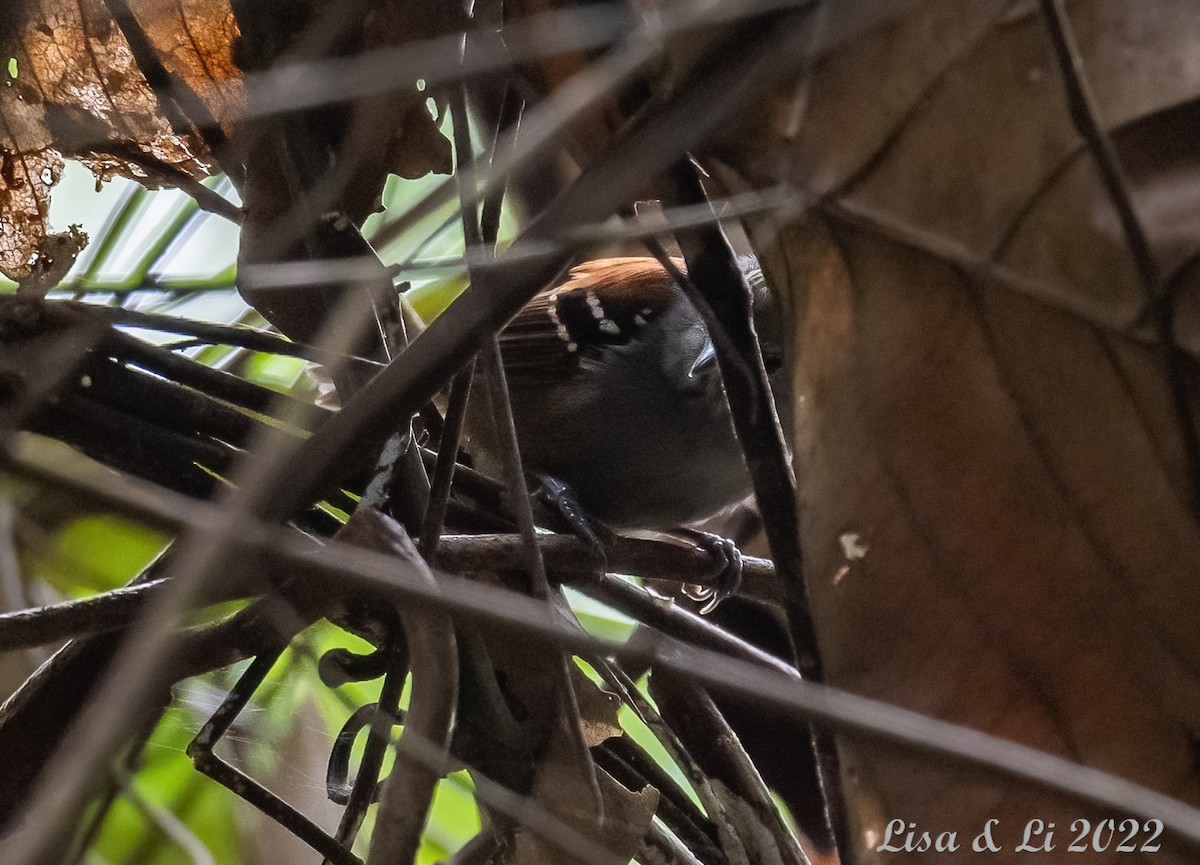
point(432, 298)
point(599, 620)
point(98, 553)
point(454, 819)
point(277, 372)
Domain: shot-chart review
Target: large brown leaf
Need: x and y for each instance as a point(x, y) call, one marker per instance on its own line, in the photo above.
point(996, 520)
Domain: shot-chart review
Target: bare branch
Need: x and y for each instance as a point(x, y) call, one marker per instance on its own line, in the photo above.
point(99, 614)
point(433, 656)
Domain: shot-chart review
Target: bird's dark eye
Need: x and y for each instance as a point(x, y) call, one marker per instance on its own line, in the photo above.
point(772, 362)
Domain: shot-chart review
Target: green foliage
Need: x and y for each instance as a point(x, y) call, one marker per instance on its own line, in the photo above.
point(599, 620)
point(274, 371)
point(167, 789)
point(97, 553)
point(454, 819)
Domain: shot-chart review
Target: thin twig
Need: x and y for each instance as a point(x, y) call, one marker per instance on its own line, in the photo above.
point(739, 72)
point(716, 748)
point(366, 780)
point(627, 763)
point(201, 750)
point(433, 655)
point(663, 848)
point(784, 202)
point(732, 844)
point(778, 687)
point(126, 696)
point(213, 382)
point(571, 559)
point(447, 461)
point(719, 335)
point(12, 584)
point(544, 124)
point(117, 608)
point(164, 173)
point(719, 292)
point(108, 611)
point(522, 809)
point(122, 290)
point(490, 359)
point(211, 334)
point(34, 720)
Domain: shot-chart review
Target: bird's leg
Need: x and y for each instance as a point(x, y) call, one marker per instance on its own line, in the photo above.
point(560, 500)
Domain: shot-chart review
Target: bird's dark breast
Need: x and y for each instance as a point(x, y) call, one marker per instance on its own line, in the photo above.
point(649, 467)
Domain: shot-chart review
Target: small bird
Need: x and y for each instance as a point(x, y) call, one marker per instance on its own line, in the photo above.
point(617, 395)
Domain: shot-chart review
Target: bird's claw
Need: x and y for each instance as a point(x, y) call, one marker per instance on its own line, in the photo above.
point(726, 575)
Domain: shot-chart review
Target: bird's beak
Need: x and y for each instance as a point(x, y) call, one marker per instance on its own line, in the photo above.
point(707, 356)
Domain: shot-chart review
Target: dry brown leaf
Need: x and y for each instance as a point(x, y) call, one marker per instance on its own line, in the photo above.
point(80, 91)
point(995, 495)
point(597, 711)
point(25, 183)
point(960, 135)
point(53, 259)
point(77, 91)
point(747, 825)
point(340, 154)
point(588, 131)
point(394, 131)
point(566, 782)
point(1010, 476)
point(418, 145)
point(620, 824)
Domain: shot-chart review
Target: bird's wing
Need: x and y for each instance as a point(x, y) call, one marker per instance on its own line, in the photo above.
point(603, 304)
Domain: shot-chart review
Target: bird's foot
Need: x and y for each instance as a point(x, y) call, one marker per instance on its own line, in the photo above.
point(726, 575)
point(561, 501)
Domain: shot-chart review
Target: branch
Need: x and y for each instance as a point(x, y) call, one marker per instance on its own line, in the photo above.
point(99, 614)
point(768, 679)
point(433, 655)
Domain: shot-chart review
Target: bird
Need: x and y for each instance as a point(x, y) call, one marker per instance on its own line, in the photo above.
point(617, 396)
